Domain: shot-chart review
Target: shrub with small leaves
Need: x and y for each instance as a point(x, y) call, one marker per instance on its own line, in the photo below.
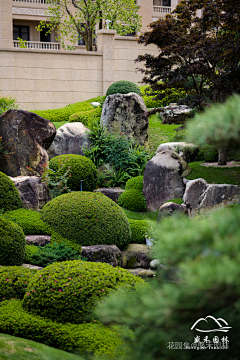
point(208, 153)
point(30, 250)
point(123, 87)
point(139, 231)
point(87, 117)
point(9, 196)
point(133, 200)
point(135, 183)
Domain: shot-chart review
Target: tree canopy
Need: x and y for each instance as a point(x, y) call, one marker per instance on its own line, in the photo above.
point(74, 18)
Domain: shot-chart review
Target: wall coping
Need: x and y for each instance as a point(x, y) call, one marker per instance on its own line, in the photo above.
point(131, 38)
point(59, 52)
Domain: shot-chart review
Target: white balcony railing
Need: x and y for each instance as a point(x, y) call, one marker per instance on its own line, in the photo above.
point(162, 9)
point(38, 45)
point(32, 1)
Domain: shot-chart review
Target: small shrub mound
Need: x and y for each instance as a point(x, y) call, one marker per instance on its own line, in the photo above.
point(93, 338)
point(139, 231)
point(12, 243)
point(87, 117)
point(14, 281)
point(133, 200)
point(81, 168)
point(123, 87)
point(30, 250)
point(208, 153)
point(9, 196)
point(135, 183)
point(88, 219)
point(67, 291)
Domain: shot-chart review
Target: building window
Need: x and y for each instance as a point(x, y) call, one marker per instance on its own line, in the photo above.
point(45, 37)
point(162, 3)
point(132, 33)
point(81, 40)
point(21, 32)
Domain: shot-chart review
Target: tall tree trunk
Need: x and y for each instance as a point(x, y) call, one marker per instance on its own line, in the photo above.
point(222, 156)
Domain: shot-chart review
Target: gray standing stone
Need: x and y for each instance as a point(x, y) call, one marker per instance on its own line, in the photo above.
point(136, 256)
point(109, 254)
point(219, 195)
point(126, 114)
point(194, 190)
point(112, 193)
point(169, 209)
point(70, 138)
point(163, 179)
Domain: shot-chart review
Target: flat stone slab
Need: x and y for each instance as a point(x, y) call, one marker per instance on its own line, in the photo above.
point(136, 256)
point(112, 193)
point(29, 266)
point(109, 254)
point(143, 272)
point(38, 240)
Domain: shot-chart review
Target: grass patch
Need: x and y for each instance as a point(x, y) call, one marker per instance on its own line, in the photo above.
point(214, 175)
point(144, 215)
point(59, 124)
point(14, 348)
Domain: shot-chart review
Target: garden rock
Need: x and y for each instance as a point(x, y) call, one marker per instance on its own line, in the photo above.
point(175, 114)
point(187, 151)
point(96, 104)
point(136, 255)
point(169, 209)
point(38, 240)
point(143, 272)
point(30, 266)
point(112, 193)
point(33, 193)
point(163, 179)
point(31, 136)
point(219, 195)
point(71, 138)
point(126, 114)
point(194, 190)
point(154, 264)
point(109, 254)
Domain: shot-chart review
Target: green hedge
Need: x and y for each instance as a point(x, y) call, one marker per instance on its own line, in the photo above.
point(14, 281)
point(167, 96)
point(93, 338)
point(139, 230)
point(12, 243)
point(87, 117)
point(9, 196)
point(123, 87)
point(81, 168)
point(135, 183)
point(67, 291)
point(208, 153)
point(133, 200)
point(88, 219)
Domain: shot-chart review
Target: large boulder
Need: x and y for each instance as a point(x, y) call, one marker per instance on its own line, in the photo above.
point(187, 151)
point(194, 190)
point(71, 138)
point(31, 136)
point(126, 114)
point(175, 114)
point(38, 240)
point(109, 254)
point(163, 179)
point(136, 256)
point(33, 193)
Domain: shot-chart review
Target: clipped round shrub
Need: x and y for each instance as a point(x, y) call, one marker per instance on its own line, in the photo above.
point(30, 251)
point(68, 291)
point(14, 281)
point(81, 168)
point(88, 219)
point(9, 196)
point(12, 243)
point(123, 87)
point(208, 153)
point(30, 221)
point(139, 230)
point(133, 200)
point(135, 183)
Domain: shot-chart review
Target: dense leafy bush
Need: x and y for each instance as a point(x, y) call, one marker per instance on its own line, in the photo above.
point(210, 286)
point(139, 231)
point(208, 153)
point(14, 281)
point(163, 97)
point(176, 201)
point(63, 114)
point(12, 243)
point(123, 87)
point(7, 103)
point(132, 200)
point(9, 196)
point(30, 250)
point(59, 239)
point(93, 338)
point(135, 183)
point(30, 221)
point(81, 168)
point(67, 291)
point(88, 219)
point(87, 117)
point(55, 252)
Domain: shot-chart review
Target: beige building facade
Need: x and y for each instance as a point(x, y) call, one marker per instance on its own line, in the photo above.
point(43, 76)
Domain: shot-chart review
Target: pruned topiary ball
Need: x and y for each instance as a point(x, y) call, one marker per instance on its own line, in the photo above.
point(88, 219)
point(68, 291)
point(9, 196)
point(81, 168)
point(133, 200)
point(139, 231)
point(12, 243)
point(135, 183)
point(123, 87)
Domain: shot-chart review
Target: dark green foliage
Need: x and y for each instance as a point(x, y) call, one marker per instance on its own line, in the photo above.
point(176, 201)
point(30, 221)
point(133, 200)
point(210, 274)
point(87, 117)
point(59, 239)
point(55, 252)
point(135, 183)
point(163, 97)
point(63, 114)
point(14, 281)
point(9, 196)
point(30, 250)
point(88, 219)
point(139, 231)
point(123, 87)
point(208, 153)
point(67, 291)
point(93, 338)
point(12, 243)
point(81, 168)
